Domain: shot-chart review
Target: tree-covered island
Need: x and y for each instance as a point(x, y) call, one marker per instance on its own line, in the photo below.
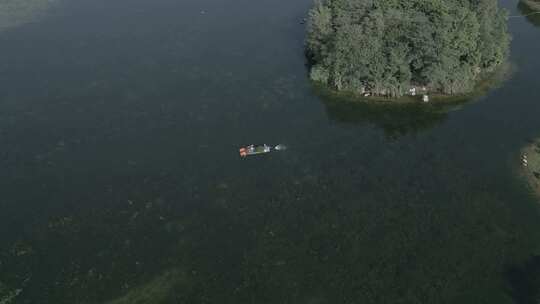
point(388, 47)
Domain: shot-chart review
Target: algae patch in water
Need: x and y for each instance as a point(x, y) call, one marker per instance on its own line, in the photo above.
point(530, 10)
point(6, 295)
point(158, 290)
point(17, 12)
point(531, 4)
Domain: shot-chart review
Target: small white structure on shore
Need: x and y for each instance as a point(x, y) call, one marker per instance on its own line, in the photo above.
point(425, 98)
point(412, 91)
point(362, 90)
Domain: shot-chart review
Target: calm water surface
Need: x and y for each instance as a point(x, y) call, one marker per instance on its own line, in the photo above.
point(120, 123)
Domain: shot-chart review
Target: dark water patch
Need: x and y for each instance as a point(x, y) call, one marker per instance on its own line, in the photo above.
point(524, 281)
point(91, 257)
point(395, 120)
point(120, 126)
point(532, 15)
point(407, 114)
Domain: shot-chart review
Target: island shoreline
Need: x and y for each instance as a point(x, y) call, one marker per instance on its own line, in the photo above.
point(485, 84)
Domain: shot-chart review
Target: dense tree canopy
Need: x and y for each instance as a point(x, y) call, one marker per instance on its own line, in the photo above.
point(387, 46)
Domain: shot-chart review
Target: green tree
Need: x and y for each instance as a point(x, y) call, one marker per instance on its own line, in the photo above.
point(387, 46)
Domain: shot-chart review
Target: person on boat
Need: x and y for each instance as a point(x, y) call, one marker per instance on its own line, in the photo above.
point(258, 149)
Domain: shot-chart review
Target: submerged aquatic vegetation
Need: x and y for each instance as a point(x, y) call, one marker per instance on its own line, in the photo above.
point(531, 11)
point(531, 4)
point(344, 216)
point(8, 296)
point(17, 12)
point(157, 290)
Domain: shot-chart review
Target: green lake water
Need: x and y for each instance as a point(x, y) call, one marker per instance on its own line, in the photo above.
point(120, 180)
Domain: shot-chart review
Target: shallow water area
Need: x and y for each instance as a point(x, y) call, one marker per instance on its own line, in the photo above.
point(120, 124)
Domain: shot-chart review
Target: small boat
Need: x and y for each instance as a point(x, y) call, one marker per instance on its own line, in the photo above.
point(260, 149)
point(254, 150)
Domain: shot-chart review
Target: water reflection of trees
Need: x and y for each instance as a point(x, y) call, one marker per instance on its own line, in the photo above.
point(527, 11)
point(524, 280)
point(395, 120)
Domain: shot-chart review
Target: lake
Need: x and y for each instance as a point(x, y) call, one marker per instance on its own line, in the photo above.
point(120, 123)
